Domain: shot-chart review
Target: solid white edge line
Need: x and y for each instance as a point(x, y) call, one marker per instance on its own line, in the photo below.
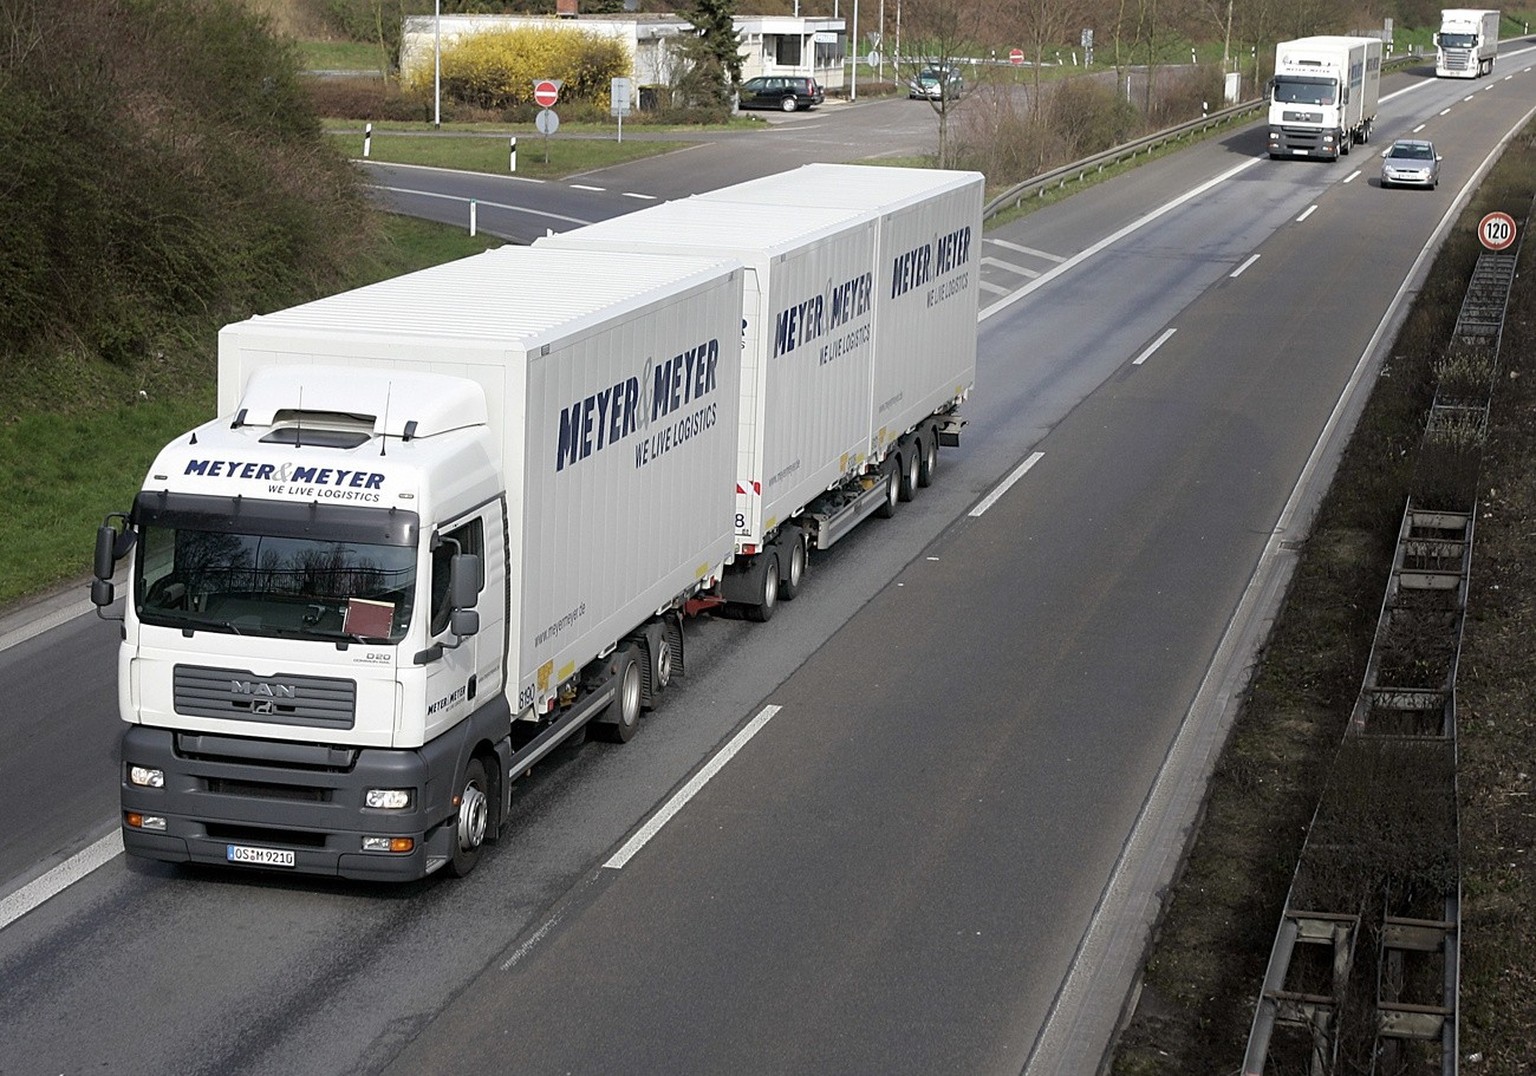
point(1241, 269)
point(1118, 909)
point(61, 877)
point(1352, 176)
point(1002, 487)
point(1306, 213)
point(654, 824)
point(1153, 346)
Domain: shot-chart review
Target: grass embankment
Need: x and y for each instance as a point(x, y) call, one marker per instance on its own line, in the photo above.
point(103, 425)
point(1204, 974)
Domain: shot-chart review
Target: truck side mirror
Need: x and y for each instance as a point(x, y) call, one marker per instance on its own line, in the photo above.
point(106, 551)
point(466, 578)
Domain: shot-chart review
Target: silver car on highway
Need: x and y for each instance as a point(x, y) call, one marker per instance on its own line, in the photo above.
point(1411, 162)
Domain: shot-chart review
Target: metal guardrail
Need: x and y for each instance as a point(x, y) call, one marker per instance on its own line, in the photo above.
point(1078, 170)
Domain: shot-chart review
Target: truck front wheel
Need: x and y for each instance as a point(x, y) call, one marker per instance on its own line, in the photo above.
point(472, 821)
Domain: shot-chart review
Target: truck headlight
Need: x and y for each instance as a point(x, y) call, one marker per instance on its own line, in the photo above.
point(389, 844)
point(146, 777)
point(388, 799)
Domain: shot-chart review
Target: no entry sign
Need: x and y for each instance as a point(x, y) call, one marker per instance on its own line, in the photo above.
point(545, 92)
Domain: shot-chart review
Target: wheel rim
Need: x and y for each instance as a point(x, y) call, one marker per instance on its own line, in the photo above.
point(664, 666)
point(630, 695)
point(893, 490)
point(789, 104)
point(912, 471)
point(797, 564)
point(771, 585)
point(930, 456)
point(474, 809)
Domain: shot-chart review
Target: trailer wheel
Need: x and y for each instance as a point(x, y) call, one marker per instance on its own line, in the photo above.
point(472, 820)
point(927, 458)
point(892, 490)
point(768, 598)
point(909, 473)
point(789, 586)
point(622, 717)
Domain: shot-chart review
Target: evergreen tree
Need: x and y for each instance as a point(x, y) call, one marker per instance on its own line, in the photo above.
point(714, 57)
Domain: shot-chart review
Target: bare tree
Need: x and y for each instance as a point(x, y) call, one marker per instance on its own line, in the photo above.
point(940, 37)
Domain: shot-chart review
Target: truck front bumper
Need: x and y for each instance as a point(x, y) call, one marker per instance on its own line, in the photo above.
point(1304, 142)
point(303, 811)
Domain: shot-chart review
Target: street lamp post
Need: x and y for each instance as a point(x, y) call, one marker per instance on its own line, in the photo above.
point(437, 63)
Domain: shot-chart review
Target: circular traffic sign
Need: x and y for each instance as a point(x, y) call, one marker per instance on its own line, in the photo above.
point(1497, 231)
point(546, 122)
point(545, 93)
point(1016, 56)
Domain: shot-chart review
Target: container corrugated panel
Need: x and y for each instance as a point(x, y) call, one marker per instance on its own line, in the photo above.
point(807, 330)
point(619, 474)
point(927, 276)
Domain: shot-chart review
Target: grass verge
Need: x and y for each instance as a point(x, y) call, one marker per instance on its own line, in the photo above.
point(1204, 972)
point(93, 429)
point(491, 153)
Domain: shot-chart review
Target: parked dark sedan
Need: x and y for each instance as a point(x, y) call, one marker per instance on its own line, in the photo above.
point(787, 92)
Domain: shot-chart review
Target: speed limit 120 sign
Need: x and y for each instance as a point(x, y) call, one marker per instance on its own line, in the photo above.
point(1497, 231)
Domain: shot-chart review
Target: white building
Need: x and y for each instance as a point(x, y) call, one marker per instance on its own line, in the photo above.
point(770, 45)
point(792, 45)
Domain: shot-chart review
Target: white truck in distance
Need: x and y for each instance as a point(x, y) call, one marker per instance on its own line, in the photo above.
point(1323, 97)
point(443, 522)
point(447, 521)
point(1467, 44)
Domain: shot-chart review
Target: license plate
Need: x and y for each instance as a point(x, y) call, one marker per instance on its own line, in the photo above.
point(261, 857)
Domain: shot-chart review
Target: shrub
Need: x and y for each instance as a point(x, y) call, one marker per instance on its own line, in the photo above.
point(497, 69)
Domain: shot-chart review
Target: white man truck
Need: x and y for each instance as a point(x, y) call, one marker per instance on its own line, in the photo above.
point(1323, 97)
point(444, 522)
point(859, 324)
point(1467, 44)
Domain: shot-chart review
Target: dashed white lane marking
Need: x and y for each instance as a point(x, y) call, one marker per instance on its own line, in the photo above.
point(1006, 484)
point(1153, 346)
point(654, 824)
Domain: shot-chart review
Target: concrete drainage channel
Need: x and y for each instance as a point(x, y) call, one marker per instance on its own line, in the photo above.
point(1364, 971)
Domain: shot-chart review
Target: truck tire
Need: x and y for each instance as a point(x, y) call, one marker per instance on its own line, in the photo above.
point(794, 572)
point(621, 719)
point(927, 457)
point(892, 489)
point(472, 821)
point(909, 472)
point(768, 597)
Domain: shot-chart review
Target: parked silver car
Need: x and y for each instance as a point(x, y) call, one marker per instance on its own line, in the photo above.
point(1411, 162)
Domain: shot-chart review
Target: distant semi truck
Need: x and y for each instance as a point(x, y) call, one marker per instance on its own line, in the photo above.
point(1467, 44)
point(1323, 96)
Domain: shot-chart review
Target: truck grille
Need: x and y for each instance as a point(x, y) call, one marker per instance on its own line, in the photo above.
point(280, 699)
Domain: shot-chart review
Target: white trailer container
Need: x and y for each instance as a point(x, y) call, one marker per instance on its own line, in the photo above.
point(927, 294)
point(1467, 44)
point(439, 527)
point(808, 305)
point(1323, 96)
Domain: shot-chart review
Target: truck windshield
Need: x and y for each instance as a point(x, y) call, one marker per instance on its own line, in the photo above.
point(320, 572)
point(1306, 91)
point(1457, 41)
